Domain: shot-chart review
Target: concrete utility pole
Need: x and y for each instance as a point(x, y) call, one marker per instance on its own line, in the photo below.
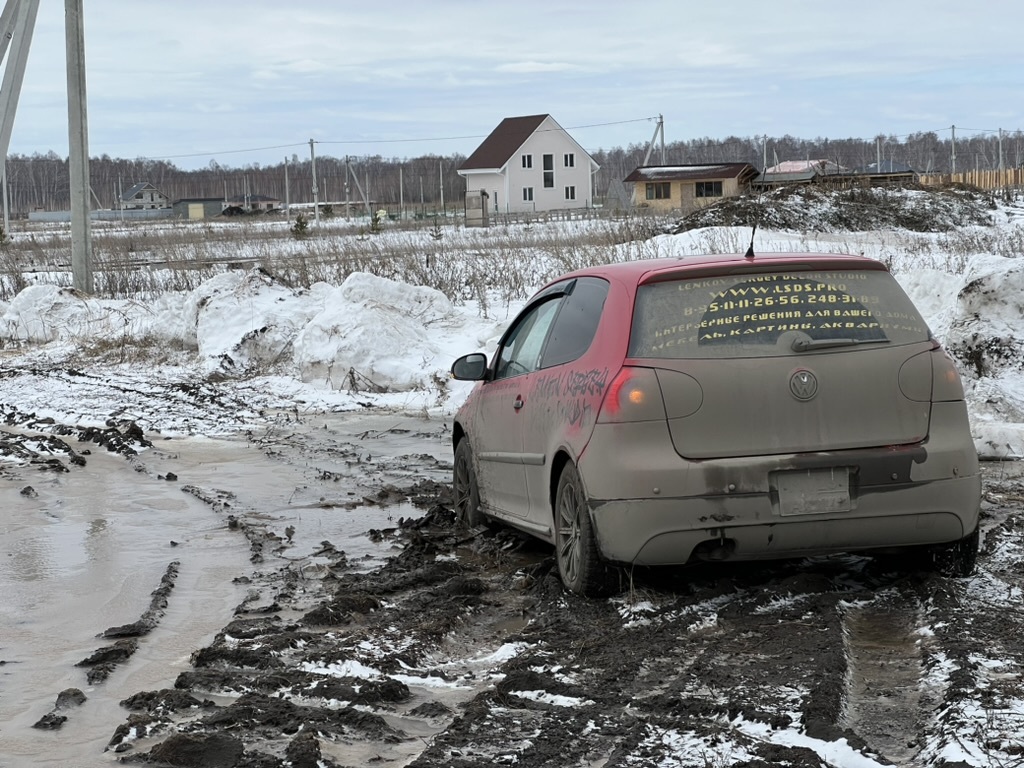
point(1001, 166)
point(7, 204)
point(348, 172)
point(659, 129)
point(316, 192)
point(287, 196)
point(78, 148)
point(661, 122)
point(16, 24)
point(952, 156)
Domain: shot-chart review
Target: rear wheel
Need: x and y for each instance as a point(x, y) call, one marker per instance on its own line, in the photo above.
point(579, 563)
point(957, 558)
point(465, 490)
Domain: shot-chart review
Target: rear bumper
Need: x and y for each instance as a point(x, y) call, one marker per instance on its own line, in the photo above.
point(667, 531)
point(652, 507)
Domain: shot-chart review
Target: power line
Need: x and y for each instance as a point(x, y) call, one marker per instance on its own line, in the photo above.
point(390, 141)
point(733, 141)
point(227, 151)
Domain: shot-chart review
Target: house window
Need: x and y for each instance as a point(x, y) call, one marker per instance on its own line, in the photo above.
point(527, 194)
point(569, 160)
point(527, 161)
point(660, 190)
point(709, 189)
point(570, 193)
point(549, 171)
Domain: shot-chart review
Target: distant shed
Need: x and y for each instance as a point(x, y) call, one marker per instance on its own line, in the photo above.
point(795, 172)
point(886, 173)
point(688, 187)
point(196, 208)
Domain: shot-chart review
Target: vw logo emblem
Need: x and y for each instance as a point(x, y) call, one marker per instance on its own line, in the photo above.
point(803, 385)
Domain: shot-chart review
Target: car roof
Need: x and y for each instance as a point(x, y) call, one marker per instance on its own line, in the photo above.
point(651, 270)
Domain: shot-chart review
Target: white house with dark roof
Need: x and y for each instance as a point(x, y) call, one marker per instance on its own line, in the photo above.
point(143, 196)
point(530, 164)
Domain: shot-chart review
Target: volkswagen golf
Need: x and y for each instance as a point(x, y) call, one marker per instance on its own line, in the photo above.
point(725, 407)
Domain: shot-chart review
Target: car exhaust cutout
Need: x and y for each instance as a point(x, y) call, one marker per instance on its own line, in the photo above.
point(715, 550)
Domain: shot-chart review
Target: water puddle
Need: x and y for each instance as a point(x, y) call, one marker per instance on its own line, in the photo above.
point(84, 550)
point(81, 555)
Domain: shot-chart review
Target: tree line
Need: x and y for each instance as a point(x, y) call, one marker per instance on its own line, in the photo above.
point(40, 182)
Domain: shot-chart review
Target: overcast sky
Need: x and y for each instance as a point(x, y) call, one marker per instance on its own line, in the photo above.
point(252, 81)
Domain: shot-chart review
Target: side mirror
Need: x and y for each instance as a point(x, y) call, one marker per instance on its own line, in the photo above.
point(470, 367)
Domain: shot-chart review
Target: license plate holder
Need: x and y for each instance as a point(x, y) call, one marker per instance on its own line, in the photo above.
point(813, 491)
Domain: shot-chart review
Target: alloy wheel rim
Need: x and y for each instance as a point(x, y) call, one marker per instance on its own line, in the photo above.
point(569, 533)
point(461, 488)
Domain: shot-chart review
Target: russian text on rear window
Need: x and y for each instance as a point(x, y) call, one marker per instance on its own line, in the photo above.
point(772, 314)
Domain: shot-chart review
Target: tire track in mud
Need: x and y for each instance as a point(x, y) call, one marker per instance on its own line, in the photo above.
point(935, 664)
point(884, 677)
point(741, 665)
point(976, 657)
point(827, 661)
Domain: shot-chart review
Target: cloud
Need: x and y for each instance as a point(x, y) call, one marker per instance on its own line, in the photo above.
point(531, 67)
point(195, 71)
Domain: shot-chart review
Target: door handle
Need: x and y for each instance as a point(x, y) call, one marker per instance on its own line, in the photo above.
point(518, 403)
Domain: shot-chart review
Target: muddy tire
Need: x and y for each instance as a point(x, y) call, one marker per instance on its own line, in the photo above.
point(465, 490)
point(956, 559)
point(579, 564)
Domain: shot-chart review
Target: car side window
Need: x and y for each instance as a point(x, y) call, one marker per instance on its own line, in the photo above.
point(576, 323)
point(520, 352)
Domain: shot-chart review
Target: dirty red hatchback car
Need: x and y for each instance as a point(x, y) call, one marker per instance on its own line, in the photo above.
point(719, 407)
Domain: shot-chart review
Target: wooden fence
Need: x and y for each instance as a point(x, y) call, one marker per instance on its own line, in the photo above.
point(1006, 179)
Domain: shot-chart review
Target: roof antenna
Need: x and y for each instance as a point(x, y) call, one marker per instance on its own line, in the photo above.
point(757, 217)
point(750, 250)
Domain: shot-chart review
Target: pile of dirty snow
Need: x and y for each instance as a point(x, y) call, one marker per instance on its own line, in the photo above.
point(371, 335)
point(815, 208)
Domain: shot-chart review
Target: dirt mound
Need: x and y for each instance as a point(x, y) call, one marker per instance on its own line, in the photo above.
point(819, 209)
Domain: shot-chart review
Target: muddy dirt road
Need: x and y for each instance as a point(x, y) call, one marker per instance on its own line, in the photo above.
point(370, 630)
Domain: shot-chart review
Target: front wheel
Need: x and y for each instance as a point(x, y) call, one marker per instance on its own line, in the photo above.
point(579, 563)
point(465, 491)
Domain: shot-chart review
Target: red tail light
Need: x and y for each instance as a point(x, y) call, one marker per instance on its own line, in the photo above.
point(634, 395)
point(946, 384)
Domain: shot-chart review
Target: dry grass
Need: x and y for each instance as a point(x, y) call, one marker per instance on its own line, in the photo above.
point(502, 263)
point(141, 261)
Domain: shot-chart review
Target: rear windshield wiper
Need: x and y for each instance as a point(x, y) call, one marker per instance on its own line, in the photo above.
point(802, 345)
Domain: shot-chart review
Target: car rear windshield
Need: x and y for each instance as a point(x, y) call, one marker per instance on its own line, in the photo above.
point(772, 314)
